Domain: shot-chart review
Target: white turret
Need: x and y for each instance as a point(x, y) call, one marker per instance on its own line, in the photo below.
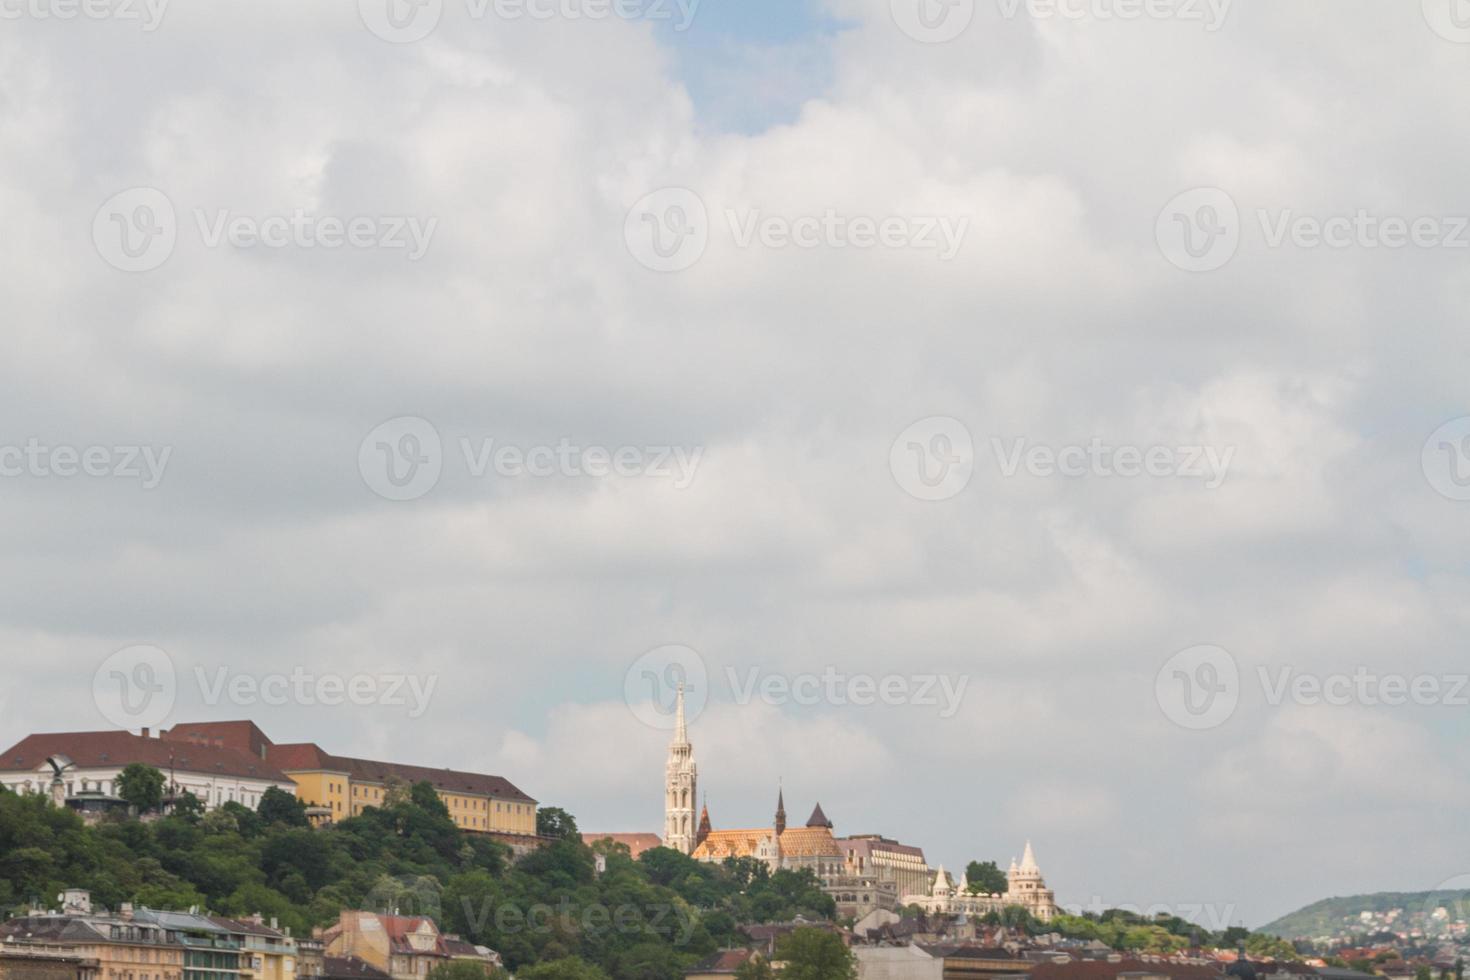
point(681, 780)
point(941, 884)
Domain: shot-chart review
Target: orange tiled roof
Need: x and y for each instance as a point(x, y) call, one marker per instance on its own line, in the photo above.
point(809, 842)
point(732, 843)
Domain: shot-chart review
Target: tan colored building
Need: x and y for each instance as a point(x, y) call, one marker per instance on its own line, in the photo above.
point(406, 947)
point(337, 787)
point(104, 947)
point(267, 953)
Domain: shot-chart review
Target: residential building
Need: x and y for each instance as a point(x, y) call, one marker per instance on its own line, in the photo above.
point(104, 947)
point(268, 954)
point(212, 951)
point(890, 861)
point(405, 947)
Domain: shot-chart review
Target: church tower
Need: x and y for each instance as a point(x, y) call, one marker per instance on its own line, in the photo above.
point(780, 811)
point(680, 782)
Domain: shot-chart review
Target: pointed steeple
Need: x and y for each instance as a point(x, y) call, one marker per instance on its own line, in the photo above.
point(964, 885)
point(1028, 860)
point(819, 819)
point(704, 824)
point(681, 729)
point(780, 810)
point(941, 882)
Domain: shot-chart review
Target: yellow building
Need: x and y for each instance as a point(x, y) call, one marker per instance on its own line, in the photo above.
point(338, 787)
point(267, 953)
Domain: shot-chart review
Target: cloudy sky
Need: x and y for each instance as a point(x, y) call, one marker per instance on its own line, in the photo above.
point(1086, 379)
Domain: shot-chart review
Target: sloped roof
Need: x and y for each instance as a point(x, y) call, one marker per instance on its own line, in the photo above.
point(636, 843)
point(309, 756)
point(95, 750)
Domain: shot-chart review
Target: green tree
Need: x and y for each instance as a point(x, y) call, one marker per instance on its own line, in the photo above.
point(564, 968)
point(279, 806)
point(141, 786)
point(553, 821)
point(188, 807)
point(815, 954)
point(986, 878)
point(755, 968)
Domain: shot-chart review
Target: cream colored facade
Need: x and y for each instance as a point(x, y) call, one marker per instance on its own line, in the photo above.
point(1025, 888)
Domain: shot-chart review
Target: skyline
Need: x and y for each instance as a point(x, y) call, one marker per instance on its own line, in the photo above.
point(1090, 374)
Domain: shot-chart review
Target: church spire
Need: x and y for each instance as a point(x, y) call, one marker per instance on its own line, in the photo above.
point(681, 729)
point(780, 810)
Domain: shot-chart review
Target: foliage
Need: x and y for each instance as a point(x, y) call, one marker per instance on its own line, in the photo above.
point(141, 786)
point(550, 914)
point(553, 821)
point(464, 970)
point(755, 968)
point(815, 954)
point(279, 806)
point(986, 878)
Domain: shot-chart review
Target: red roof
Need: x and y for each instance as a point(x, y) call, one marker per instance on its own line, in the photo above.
point(95, 750)
point(637, 843)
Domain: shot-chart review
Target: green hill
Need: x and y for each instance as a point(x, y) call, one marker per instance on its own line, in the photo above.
point(1337, 916)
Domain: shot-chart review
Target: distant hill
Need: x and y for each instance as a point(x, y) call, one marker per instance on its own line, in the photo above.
point(1333, 916)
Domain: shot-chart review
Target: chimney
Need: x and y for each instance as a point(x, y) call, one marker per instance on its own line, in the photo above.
point(145, 733)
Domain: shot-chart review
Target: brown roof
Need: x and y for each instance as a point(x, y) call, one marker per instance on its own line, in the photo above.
point(636, 843)
point(724, 961)
point(350, 968)
point(242, 736)
point(809, 842)
point(310, 756)
point(91, 750)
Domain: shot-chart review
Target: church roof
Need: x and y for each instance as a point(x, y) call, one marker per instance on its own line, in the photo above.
point(819, 819)
point(733, 843)
point(809, 842)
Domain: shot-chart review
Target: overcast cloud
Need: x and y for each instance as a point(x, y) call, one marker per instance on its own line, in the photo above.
point(766, 518)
